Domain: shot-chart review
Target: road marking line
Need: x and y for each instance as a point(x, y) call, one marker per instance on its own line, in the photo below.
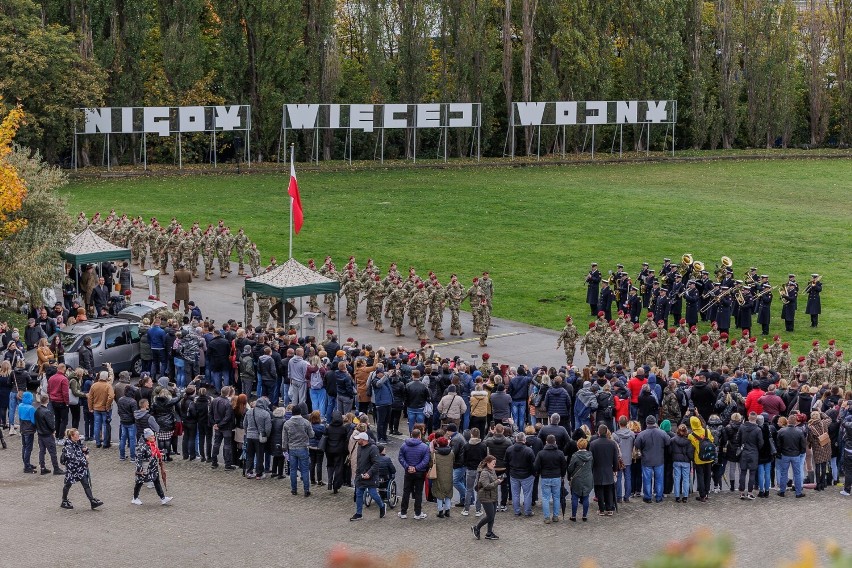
point(457, 341)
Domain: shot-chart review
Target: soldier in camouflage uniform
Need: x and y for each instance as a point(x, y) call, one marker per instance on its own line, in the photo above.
point(455, 295)
point(82, 222)
point(375, 299)
point(417, 305)
point(184, 251)
point(263, 305)
point(702, 354)
point(678, 360)
point(163, 247)
point(733, 355)
point(487, 286)
point(828, 355)
point(649, 325)
point(682, 329)
point(254, 260)
point(228, 243)
point(397, 300)
point(821, 374)
point(748, 360)
point(670, 342)
point(765, 359)
point(782, 362)
point(153, 243)
point(652, 352)
point(313, 306)
point(484, 320)
point(716, 359)
point(437, 301)
point(568, 340)
point(636, 342)
point(839, 371)
point(350, 289)
point(197, 245)
point(208, 250)
point(618, 347)
point(694, 339)
point(589, 343)
point(775, 348)
point(713, 334)
point(329, 300)
point(221, 247)
point(241, 242)
point(248, 299)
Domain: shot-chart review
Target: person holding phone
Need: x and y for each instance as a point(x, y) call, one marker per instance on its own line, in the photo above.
point(486, 485)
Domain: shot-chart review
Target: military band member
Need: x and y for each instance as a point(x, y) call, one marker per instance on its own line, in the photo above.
point(663, 307)
point(633, 305)
point(676, 296)
point(647, 293)
point(764, 303)
point(746, 310)
point(789, 303)
point(667, 267)
point(692, 297)
point(814, 307)
point(724, 310)
point(622, 285)
point(593, 280)
point(605, 300)
point(654, 294)
point(752, 278)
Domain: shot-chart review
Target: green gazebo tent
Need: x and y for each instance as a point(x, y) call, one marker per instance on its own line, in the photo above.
point(89, 248)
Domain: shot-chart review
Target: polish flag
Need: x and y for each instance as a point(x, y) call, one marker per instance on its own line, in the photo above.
point(293, 190)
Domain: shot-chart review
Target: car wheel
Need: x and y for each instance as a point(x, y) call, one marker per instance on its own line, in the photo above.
point(136, 367)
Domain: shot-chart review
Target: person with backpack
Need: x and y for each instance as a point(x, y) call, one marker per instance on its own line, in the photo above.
point(704, 456)
point(316, 385)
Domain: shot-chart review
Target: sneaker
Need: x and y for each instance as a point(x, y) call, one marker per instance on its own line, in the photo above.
point(420, 517)
point(122, 459)
point(230, 467)
point(465, 513)
point(845, 493)
point(136, 501)
point(750, 497)
point(150, 485)
point(382, 510)
point(95, 503)
point(491, 536)
point(66, 504)
point(475, 531)
point(441, 514)
point(478, 513)
point(44, 471)
point(356, 517)
point(555, 518)
point(780, 493)
point(59, 471)
point(717, 489)
point(402, 515)
point(547, 520)
point(800, 495)
point(165, 500)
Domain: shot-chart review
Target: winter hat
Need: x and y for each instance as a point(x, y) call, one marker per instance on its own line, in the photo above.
point(246, 349)
point(665, 425)
point(297, 410)
point(147, 433)
point(650, 420)
point(360, 436)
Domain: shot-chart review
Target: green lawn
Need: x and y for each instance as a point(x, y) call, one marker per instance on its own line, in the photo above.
point(537, 229)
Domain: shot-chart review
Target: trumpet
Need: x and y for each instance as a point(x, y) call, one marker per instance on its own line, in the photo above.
point(812, 282)
point(760, 295)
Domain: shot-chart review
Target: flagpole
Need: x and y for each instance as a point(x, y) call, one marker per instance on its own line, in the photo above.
point(292, 150)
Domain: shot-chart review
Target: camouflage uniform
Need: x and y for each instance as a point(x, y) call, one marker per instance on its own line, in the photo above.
point(197, 244)
point(748, 361)
point(568, 340)
point(783, 364)
point(455, 295)
point(313, 306)
point(437, 301)
point(185, 251)
point(397, 299)
point(676, 358)
point(249, 307)
point(716, 359)
point(154, 245)
point(263, 305)
point(652, 353)
point(163, 247)
point(208, 249)
point(329, 300)
point(590, 344)
point(228, 243)
point(487, 286)
point(829, 355)
point(839, 372)
point(241, 243)
point(174, 247)
point(417, 310)
point(375, 298)
point(682, 331)
point(635, 344)
point(254, 260)
point(765, 359)
point(351, 289)
point(221, 246)
point(618, 348)
point(484, 320)
point(82, 223)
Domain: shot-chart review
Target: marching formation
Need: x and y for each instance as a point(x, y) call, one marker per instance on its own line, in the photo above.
point(173, 243)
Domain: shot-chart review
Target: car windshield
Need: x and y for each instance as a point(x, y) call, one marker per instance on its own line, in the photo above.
point(135, 310)
point(71, 341)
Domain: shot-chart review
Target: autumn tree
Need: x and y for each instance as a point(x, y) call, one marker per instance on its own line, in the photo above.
point(12, 189)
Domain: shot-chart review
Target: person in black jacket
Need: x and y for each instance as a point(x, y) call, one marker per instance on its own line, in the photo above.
point(86, 357)
point(336, 450)
point(604, 463)
point(550, 464)
point(201, 410)
point(398, 392)
point(647, 404)
point(703, 397)
point(127, 405)
point(750, 437)
point(792, 443)
point(186, 409)
point(593, 280)
point(45, 423)
point(222, 419)
point(520, 461)
point(473, 453)
point(416, 397)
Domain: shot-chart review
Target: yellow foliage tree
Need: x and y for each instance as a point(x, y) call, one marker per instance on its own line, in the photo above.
point(12, 187)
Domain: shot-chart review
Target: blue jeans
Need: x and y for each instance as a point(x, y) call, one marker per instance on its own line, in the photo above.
point(576, 500)
point(330, 406)
point(466, 417)
point(654, 474)
point(519, 414)
point(681, 479)
point(359, 497)
point(522, 484)
point(180, 373)
point(764, 476)
point(218, 378)
point(459, 475)
point(415, 416)
point(101, 424)
point(623, 486)
point(300, 461)
point(318, 398)
point(444, 504)
point(127, 433)
point(551, 488)
point(13, 406)
point(786, 462)
point(27, 447)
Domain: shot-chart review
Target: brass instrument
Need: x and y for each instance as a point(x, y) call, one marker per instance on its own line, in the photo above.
point(686, 259)
point(708, 294)
point(718, 298)
point(727, 262)
point(760, 295)
point(698, 265)
point(782, 291)
point(811, 283)
point(739, 296)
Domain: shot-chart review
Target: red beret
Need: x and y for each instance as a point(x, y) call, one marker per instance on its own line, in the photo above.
point(653, 335)
point(591, 324)
point(821, 361)
point(636, 326)
point(715, 345)
point(650, 315)
point(601, 314)
point(724, 334)
point(838, 353)
point(752, 340)
point(733, 342)
point(568, 318)
point(684, 340)
point(621, 312)
point(350, 340)
point(831, 341)
point(612, 324)
point(705, 338)
point(672, 330)
point(420, 285)
point(412, 356)
point(423, 343)
point(127, 292)
point(175, 305)
point(486, 356)
point(661, 322)
point(682, 321)
point(776, 337)
point(745, 332)
point(815, 342)
point(785, 345)
point(329, 332)
point(801, 358)
point(749, 351)
point(692, 328)
point(765, 346)
point(475, 279)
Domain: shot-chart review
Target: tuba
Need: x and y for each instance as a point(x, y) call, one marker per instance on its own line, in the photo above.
point(727, 262)
point(698, 265)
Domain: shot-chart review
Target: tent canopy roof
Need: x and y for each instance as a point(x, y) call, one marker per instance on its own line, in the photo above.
point(291, 280)
point(87, 247)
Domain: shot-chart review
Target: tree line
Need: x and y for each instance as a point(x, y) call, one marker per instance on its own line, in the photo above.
point(745, 73)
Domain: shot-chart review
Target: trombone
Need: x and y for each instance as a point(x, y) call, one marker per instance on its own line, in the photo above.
point(812, 282)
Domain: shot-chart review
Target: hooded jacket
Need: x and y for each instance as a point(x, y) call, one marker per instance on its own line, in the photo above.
point(473, 454)
point(143, 419)
point(258, 421)
point(414, 452)
point(26, 413)
point(557, 401)
point(750, 437)
point(695, 436)
point(276, 433)
point(550, 462)
point(266, 368)
point(45, 421)
point(625, 437)
point(497, 446)
point(652, 442)
point(296, 433)
point(163, 411)
point(580, 473)
point(127, 406)
point(586, 402)
point(337, 437)
point(520, 461)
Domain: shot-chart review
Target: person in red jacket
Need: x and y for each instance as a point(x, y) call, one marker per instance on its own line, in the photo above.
point(752, 401)
point(634, 387)
point(58, 391)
